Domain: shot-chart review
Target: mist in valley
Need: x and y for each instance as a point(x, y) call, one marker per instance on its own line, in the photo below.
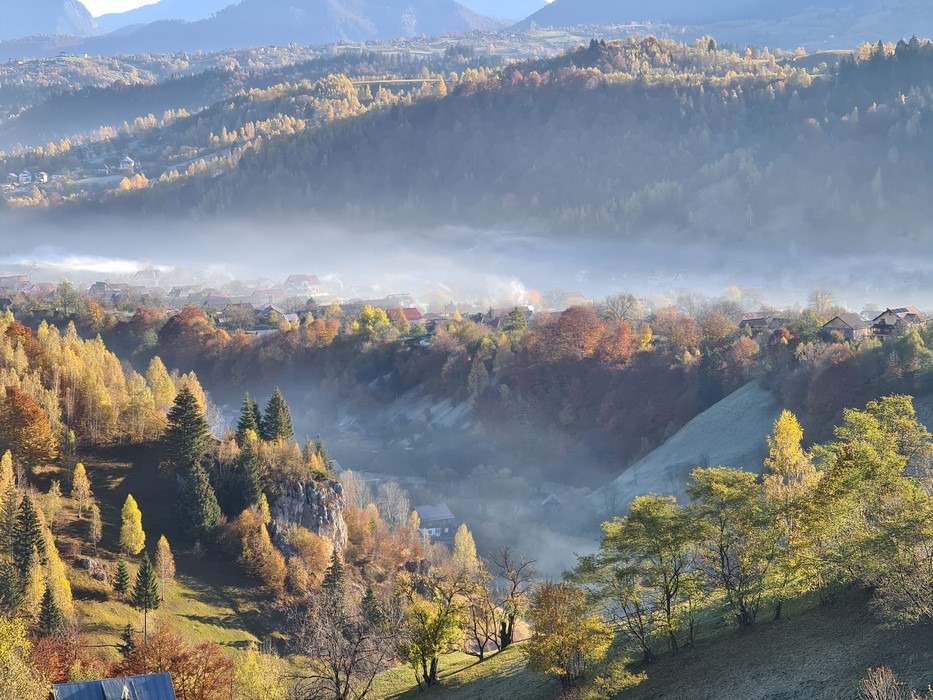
point(410, 436)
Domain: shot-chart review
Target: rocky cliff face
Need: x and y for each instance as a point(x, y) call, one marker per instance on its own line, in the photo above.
point(314, 505)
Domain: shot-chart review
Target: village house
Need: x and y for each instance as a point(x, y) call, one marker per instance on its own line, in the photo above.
point(154, 687)
point(272, 316)
point(42, 178)
point(412, 314)
point(14, 283)
point(5, 304)
point(847, 326)
point(893, 321)
point(25, 178)
point(304, 285)
point(182, 293)
point(43, 290)
point(127, 165)
point(215, 302)
point(267, 297)
point(762, 322)
point(437, 522)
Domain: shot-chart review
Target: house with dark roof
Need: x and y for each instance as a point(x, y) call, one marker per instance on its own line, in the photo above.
point(846, 326)
point(437, 522)
point(762, 321)
point(893, 321)
point(154, 687)
point(5, 304)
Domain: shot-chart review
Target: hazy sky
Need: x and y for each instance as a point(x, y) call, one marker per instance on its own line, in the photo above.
point(514, 9)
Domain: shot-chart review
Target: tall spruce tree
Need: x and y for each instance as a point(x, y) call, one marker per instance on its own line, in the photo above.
point(250, 479)
point(371, 609)
point(250, 420)
point(188, 434)
point(200, 511)
point(51, 620)
point(277, 421)
point(11, 589)
point(121, 583)
point(146, 592)
point(28, 541)
point(332, 583)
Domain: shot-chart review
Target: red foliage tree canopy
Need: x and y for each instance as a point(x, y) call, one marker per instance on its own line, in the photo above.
point(199, 672)
point(25, 429)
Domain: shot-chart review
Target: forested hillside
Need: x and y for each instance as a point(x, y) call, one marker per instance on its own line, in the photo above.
point(814, 24)
point(643, 136)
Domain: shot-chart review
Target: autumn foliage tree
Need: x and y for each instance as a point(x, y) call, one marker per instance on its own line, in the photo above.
point(568, 636)
point(199, 672)
point(25, 428)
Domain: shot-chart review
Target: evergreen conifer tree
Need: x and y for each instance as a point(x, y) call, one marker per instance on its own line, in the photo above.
point(277, 421)
point(122, 582)
point(128, 641)
point(332, 583)
point(372, 610)
point(146, 592)
point(188, 434)
point(28, 541)
point(249, 477)
point(250, 420)
point(51, 620)
point(322, 452)
point(11, 589)
point(200, 510)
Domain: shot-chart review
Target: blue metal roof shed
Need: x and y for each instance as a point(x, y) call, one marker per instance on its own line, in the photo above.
point(156, 687)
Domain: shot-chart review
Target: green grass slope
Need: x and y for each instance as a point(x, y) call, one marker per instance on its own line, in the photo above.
point(500, 677)
point(210, 601)
point(819, 654)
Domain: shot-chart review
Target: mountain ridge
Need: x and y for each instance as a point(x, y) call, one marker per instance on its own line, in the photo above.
point(45, 17)
point(184, 10)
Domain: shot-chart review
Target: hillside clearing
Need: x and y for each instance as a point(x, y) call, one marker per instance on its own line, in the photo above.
point(730, 433)
point(820, 655)
point(210, 601)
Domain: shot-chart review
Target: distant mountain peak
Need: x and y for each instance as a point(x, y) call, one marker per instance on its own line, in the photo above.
point(21, 18)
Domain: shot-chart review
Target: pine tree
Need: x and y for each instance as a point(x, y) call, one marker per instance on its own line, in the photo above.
point(188, 434)
point(28, 541)
point(128, 641)
point(321, 449)
point(372, 610)
point(51, 620)
point(332, 583)
point(200, 510)
point(164, 564)
point(132, 536)
point(146, 592)
point(11, 589)
point(277, 421)
point(122, 582)
point(80, 488)
point(250, 420)
point(249, 477)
